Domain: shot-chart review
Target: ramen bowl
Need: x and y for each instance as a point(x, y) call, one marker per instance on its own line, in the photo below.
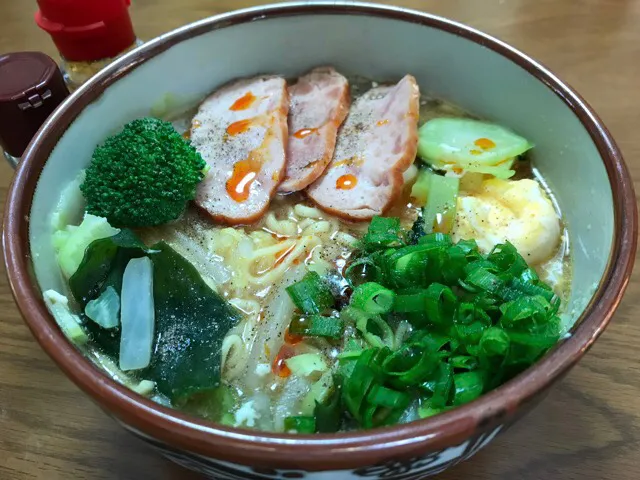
point(574, 151)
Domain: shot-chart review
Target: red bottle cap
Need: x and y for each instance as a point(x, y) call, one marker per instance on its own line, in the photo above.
point(31, 87)
point(87, 30)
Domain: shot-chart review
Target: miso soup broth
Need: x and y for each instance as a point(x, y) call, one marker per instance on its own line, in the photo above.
point(322, 314)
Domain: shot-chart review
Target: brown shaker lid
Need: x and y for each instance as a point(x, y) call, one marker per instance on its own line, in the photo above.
point(31, 87)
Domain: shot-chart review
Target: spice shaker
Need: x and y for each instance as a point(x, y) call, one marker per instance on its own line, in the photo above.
point(31, 87)
point(89, 34)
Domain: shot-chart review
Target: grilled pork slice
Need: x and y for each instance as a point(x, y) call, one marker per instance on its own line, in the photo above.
point(376, 144)
point(319, 103)
point(241, 132)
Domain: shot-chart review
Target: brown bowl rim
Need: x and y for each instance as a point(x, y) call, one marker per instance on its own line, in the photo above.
point(321, 451)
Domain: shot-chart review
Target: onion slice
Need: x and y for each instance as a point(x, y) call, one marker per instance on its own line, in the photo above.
point(137, 314)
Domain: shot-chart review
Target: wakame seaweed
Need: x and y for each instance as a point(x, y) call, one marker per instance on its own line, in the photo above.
point(191, 320)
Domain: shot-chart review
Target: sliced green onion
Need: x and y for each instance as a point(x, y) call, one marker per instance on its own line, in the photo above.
point(530, 289)
point(468, 386)
point(311, 294)
point(300, 424)
point(507, 259)
point(470, 249)
point(407, 371)
point(410, 302)
point(351, 350)
point(381, 337)
point(440, 386)
point(470, 323)
point(357, 386)
point(317, 326)
point(464, 362)
point(476, 320)
point(485, 280)
point(362, 270)
point(329, 413)
point(470, 146)
point(373, 298)
point(430, 340)
point(427, 410)
point(386, 397)
point(383, 232)
point(494, 342)
point(440, 304)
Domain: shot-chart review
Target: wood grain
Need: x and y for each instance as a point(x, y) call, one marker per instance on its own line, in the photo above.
point(588, 428)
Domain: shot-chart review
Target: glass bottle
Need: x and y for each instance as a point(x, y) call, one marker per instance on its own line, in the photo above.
point(89, 34)
point(31, 87)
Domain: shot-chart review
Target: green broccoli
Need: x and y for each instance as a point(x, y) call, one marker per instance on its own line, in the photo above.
point(142, 176)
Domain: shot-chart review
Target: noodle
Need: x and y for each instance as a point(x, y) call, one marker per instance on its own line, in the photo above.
point(230, 344)
point(307, 212)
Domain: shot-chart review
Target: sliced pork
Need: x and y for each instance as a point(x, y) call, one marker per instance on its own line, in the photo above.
point(241, 132)
point(376, 144)
point(319, 103)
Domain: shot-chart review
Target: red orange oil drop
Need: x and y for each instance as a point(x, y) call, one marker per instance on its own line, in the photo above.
point(243, 175)
point(243, 102)
point(484, 143)
point(279, 366)
point(305, 132)
point(346, 182)
point(238, 127)
point(292, 338)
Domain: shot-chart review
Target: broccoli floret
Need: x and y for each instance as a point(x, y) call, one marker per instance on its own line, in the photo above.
point(142, 176)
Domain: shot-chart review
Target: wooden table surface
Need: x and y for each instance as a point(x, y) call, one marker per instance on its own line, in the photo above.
point(588, 427)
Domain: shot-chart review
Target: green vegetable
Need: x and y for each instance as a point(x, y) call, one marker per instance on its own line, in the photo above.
point(383, 232)
point(69, 323)
point(105, 310)
point(213, 405)
point(300, 424)
point(478, 320)
point(306, 364)
point(375, 331)
point(439, 211)
point(439, 386)
point(438, 195)
point(494, 342)
point(191, 320)
point(440, 303)
point(468, 386)
point(317, 326)
point(328, 414)
point(311, 294)
point(370, 402)
point(143, 175)
point(464, 145)
point(319, 393)
point(71, 242)
point(373, 298)
point(420, 189)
